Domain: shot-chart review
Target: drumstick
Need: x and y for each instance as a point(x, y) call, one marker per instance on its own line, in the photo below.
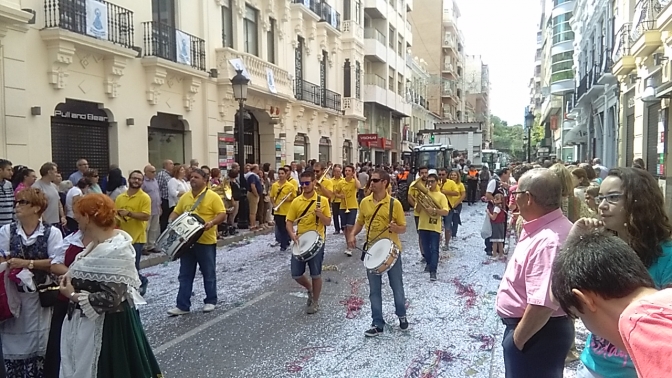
point(373, 239)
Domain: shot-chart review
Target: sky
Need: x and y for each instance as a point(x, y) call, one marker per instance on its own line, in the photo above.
point(504, 33)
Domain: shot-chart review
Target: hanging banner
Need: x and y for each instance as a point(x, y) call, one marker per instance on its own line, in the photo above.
point(238, 65)
point(183, 47)
point(270, 80)
point(96, 19)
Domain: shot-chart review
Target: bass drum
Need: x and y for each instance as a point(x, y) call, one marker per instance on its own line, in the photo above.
point(402, 195)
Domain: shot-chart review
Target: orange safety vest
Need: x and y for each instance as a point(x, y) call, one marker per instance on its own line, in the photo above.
point(403, 176)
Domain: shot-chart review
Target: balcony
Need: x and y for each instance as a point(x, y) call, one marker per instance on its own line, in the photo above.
point(605, 76)
point(447, 68)
point(308, 92)
point(449, 42)
point(331, 100)
point(257, 68)
point(329, 16)
point(375, 89)
point(624, 61)
point(353, 108)
point(665, 18)
point(645, 36)
point(375, 45)
point(448, 18)
point(376, 8)
point(353, 31)
point(161, 41)
point(309, 7)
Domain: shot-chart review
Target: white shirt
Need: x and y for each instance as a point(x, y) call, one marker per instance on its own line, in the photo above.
point(51, 215)
point(53, 243)
point(492, 185)
point(72, 193)
point(117, 192)
point(72, 239)
point(174, 187)
point(295, 175)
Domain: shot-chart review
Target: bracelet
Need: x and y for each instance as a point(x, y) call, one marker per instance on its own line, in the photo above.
point(72, 294)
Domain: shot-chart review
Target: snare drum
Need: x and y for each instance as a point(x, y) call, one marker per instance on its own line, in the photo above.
point(310, 243)
point(180, 235)
point(381, 256)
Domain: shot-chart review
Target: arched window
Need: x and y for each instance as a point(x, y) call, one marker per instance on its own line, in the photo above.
point(325, 150)
point(347, 152)
point(301, 147)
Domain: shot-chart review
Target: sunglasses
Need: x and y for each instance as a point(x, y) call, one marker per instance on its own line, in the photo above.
point(305, 183)
point(376, 180)
point(21, 202)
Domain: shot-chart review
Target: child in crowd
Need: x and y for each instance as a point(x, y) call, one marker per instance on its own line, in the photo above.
point(497, 216)
point(591, 195)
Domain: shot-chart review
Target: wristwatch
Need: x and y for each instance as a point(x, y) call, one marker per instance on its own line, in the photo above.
point(30, 265)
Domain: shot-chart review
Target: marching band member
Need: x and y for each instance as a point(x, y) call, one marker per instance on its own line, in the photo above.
point(324, 188)
point(349, 189)
point(429, 224)
point(211, 210)
point(450, 189)
point(337, 180)
point(412, 195)
point(282, 190)
point(397, 225)
point(301, 210)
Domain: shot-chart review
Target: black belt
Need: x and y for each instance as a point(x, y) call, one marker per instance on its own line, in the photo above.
point(514, 321)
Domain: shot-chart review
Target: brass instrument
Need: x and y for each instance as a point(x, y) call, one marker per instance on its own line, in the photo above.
point(424, 199)
point(225, 192)
point(309, 213)
point(285, 198)
point(324, 174)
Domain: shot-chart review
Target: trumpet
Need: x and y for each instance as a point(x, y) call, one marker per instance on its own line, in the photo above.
point(282, 201)
point(424, 199)
point(319, 181)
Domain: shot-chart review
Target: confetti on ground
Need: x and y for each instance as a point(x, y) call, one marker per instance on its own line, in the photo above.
point(431, 364)
point(465, 291)
point(305, 355)
point(487, 341)
point(330, 268)
point(353, 304)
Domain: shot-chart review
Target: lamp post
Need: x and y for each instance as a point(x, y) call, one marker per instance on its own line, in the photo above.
point(529, 123)
point(239, 84)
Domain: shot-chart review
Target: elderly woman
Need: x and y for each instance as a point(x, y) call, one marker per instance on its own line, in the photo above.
point(102, 334)
point(31, 245)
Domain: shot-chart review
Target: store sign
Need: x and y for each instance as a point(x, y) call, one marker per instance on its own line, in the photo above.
point(388, 144)
point(366, 139)
point(80, 116)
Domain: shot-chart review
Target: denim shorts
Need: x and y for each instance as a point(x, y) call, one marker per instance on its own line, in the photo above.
point(348, 219)
point(298, 268)
point(448, 219)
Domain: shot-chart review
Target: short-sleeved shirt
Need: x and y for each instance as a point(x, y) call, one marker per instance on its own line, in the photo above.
point(151, 187)
point(433, 223)
point(137, 203)
point(326, 184)
point(646, 329)
point(451, 186)
point(310, 222)
point(527, 279)
point(209, 208)
point(52, 214)
point(382, 220)
point(278, 192)
point(349, 188)
point(336, 182)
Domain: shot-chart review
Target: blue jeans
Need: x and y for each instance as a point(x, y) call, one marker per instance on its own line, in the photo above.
point(376, 297)
point(455, 222)
point(205, 256)
point(281, 234)
point(138, 256)
point(430, 247)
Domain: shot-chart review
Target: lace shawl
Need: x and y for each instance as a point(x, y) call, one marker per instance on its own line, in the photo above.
point(110, 261)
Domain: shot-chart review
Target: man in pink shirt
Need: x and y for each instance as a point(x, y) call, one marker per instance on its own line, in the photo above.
point(600, 279)
point(538, 333)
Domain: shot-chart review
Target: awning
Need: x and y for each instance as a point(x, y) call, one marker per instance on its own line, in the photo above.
point(577, 135)
point(664, 90)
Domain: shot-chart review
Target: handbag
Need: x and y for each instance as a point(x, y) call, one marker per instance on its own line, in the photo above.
point(46, 284)
point(486, 230)
point(10, 303)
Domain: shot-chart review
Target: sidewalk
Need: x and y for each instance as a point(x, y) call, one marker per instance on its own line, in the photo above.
point(159, 258)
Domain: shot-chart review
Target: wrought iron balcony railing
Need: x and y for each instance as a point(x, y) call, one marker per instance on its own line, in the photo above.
point(331, 100)
point(164, 41)
point(307, 91)
point(330, 16)
point(313, 5)
point(648, 11)
point(623, 41)
point(71, 15)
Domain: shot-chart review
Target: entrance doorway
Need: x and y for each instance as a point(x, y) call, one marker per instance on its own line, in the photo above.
point(251, 138)
point(325, 150)
point(80, 130)
point(165, 139)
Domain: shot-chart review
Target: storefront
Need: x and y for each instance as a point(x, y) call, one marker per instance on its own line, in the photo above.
point(365, 142)
point(324, 150)
point(301, 147)
point(80, 130)
point(166, 139)
point(250, 138)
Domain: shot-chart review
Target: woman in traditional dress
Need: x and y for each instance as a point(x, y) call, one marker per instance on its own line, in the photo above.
point(31, 245)
point(102, 335)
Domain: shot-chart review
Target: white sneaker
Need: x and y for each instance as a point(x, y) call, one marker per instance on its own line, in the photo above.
point(209, 307)
point(348, 252)
point(176, 312)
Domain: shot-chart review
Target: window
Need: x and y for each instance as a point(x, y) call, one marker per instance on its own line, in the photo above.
point(163, 11)
point(271, 41)
point(562, 31)
point(250, 30)
point(358, 11)
point(390, 37)
point(227, 24)
point(346, 10)
point(358, 81)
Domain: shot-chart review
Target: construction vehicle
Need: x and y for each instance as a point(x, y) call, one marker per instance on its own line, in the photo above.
point(432, 156)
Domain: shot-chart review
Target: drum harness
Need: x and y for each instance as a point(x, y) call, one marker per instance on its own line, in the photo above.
point(366, 245)
point(305, 211)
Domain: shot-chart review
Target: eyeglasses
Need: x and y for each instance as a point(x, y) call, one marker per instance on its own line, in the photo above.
point(611, 198)
point(21, 202)
point(305, 183)
point(431, 181)
point(519, 192)
point(376, 180)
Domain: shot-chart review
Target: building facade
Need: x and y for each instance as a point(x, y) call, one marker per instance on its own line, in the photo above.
point(387, 41)
point(421, 117)
point(477, 95)
point(103, 79)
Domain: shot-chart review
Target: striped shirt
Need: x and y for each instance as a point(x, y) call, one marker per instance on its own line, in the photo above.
point(6, 202)
point(163, 177)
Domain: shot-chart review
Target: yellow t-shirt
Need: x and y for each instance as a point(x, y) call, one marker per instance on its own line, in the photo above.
point(140, 202)
point(350, 190)
point(451, 186)
point(366, 209)
point(463, 189)
point(309, 222)
point(327, 184)
point(292, 181)
point(433, 223)
point(211, 206)
point(278, 192)
point(336, 182)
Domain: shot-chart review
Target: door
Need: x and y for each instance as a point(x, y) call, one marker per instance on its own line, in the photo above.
point(72, 140)
point(652, 137)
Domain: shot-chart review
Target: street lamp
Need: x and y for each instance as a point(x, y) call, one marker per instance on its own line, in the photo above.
point(529, 123)
point(239, 84)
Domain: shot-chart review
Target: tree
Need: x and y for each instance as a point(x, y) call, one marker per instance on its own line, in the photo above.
point(507, 138)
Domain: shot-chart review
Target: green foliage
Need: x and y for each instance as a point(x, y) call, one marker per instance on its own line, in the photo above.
point(509, 139)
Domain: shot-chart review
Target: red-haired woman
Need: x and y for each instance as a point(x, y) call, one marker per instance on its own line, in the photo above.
point(102, 334)
point(31, 244)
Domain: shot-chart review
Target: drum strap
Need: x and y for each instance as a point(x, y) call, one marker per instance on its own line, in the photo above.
point(198, 200)
point(368, 230)
point(306, 209)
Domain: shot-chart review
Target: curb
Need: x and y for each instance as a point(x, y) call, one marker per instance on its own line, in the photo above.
point(159, 258)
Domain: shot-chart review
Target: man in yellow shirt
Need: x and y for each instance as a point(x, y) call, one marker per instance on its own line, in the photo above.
point(412, 195)
point(336, 182)
point(382, 227)
point(312, 213)
point(326, 187)
point(429, 224)
point(285, 192)
point(349, 188)
point(134, 208)
point(211, 209)
point(452, 192)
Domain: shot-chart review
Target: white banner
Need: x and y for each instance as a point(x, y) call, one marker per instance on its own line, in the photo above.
point(238, 64)
point(183, 47)
point(96, 19)
point(270, 79)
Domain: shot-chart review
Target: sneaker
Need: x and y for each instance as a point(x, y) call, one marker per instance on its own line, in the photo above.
point(337, 232)
point(209, 307)
point(445, 247)
point(432, 276)
point(373, 331)
point(426, 268)
point(275, 244)
point(313, 308)
point(310, 299)
point(177, 312)
point(422, 260)
point(348, 252)
point(403, 322)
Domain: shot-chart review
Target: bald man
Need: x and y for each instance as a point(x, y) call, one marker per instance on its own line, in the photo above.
point(150, 185)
